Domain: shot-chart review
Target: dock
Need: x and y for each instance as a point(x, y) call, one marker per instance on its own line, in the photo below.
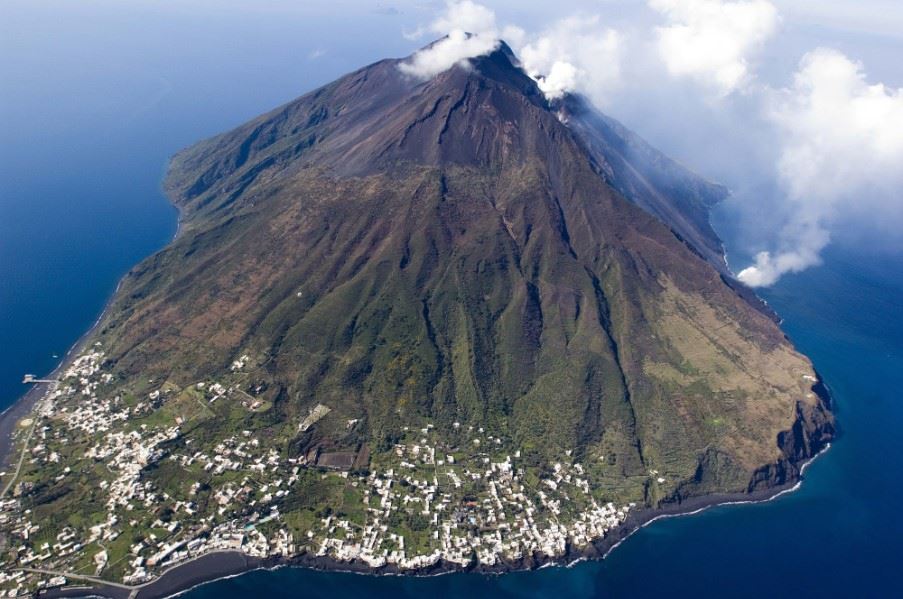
point(32, 379)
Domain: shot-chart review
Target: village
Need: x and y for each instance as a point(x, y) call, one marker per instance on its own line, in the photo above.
point(419, 504)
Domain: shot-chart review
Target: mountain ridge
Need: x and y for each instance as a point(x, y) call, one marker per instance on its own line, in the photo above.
point(498, 67)
point(455, 324)
point(490, 115)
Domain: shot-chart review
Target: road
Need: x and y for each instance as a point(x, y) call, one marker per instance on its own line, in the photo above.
point(31, 429)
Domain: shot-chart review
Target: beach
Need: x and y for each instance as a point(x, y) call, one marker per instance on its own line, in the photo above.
point(217, 565)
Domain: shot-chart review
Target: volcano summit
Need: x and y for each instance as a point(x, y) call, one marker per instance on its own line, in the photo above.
point(414, 326)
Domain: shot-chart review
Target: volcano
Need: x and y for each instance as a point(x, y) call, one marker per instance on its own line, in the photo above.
point(464, 257)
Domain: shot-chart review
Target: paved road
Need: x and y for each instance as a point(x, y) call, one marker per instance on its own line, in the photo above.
point(187, 574)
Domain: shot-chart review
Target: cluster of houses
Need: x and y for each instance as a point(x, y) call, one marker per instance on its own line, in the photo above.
point(508, 521)
point(478, 506)
point(18, 583)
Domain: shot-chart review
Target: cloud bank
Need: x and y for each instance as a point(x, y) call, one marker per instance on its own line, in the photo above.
point(841, 134)
point(711, 40)
point(841, 149)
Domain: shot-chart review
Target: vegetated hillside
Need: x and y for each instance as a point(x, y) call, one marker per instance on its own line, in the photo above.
point(461, 251)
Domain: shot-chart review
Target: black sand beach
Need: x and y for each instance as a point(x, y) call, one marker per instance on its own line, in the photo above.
point(221, 564)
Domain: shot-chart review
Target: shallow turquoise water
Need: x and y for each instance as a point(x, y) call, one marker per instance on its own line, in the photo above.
point(89, 115)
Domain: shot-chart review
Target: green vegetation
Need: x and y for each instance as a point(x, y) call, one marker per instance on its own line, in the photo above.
point(399, 327)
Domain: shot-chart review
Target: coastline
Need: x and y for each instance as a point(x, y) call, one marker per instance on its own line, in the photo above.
point(25, 404)
point(219, 565)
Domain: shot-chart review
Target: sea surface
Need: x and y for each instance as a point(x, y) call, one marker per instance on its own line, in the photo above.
point(93, 103)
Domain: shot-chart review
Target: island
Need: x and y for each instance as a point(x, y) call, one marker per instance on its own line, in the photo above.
point(409, 327)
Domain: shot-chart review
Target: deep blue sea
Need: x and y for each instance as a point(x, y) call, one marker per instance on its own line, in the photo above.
point(95, 96)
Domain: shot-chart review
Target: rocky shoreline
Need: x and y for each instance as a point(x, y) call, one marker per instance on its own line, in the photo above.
point(810, 434)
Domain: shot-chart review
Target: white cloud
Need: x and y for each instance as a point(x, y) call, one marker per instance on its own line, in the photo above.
point(842, 151)
point(469, 31)
point(465, 15)
point(574, 54)
point(841, 134)
point(712, 40)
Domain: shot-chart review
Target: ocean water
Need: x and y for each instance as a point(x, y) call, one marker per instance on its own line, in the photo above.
point(95, 97)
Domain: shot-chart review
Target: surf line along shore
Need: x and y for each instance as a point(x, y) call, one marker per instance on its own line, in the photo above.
point(218, 565)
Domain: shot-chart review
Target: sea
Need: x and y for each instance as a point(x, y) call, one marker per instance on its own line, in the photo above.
point(94, 97)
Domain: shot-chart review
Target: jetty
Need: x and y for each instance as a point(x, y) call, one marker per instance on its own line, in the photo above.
point(32, 379)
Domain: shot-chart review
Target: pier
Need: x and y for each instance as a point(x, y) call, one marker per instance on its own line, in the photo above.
point(32, 379)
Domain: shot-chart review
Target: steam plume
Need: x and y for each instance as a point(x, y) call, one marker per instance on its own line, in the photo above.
point(838, 140)
point(710, 40)
point(470, 31)
point(842, 149)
